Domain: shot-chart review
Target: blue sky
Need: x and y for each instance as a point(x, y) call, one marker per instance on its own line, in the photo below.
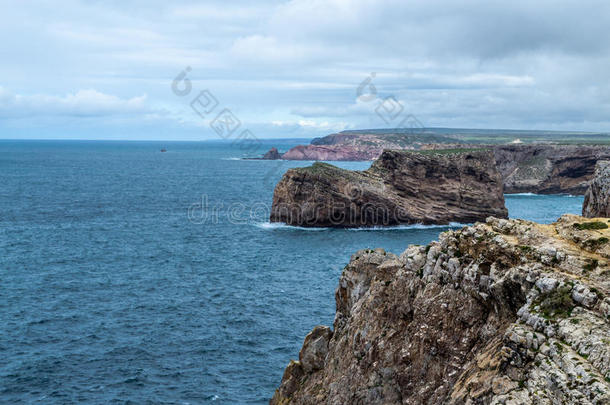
point(104, 69)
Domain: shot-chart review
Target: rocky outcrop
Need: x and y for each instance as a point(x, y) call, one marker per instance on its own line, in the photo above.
point(272, 154)
point(332, 152)
point(401, 187)
point(502, 312)
point(597, 197)
point(531, 168)
point(548, 169)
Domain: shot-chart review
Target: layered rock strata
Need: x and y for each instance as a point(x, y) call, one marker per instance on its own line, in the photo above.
point(401, 187)
point(502, 312)
point(597, 197)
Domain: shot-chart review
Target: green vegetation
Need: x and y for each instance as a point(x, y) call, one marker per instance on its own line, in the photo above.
point(595, 225)
point(591, 265)
point(596, 243)
point(482, 136)
point(556, 304)
point(453, 151)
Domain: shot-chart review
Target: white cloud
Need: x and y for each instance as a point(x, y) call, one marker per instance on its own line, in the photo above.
point(84, 103)
point(471, 63)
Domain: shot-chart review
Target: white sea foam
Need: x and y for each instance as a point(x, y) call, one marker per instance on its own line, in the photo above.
point(522, 194)
point(271, 226)
point(407, 227)
point(283, 226)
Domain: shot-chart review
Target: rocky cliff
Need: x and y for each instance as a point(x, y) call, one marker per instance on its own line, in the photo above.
point(332, 152)
point(431, 187)
point(502, 312)
point(548, 169)
point(597, 197)
point(531, 168)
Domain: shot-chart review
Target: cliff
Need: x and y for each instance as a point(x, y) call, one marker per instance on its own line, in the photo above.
point(548, 169)
point(597, 197)
point(401, 187)
point(332, 152)
point(502, 312)
point(525, 168)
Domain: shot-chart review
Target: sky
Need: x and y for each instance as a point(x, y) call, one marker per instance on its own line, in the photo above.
point(302, 68)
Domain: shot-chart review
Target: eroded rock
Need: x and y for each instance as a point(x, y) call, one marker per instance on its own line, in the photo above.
point(597, 197)
point(478, 317)
point(435, 187)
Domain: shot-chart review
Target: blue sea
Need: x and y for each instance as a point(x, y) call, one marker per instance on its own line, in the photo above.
point(128, 275)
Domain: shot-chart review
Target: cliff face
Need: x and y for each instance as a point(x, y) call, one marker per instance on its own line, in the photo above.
point(400, 188)
point(531, 168)
point(332, 152)
point(503, 312)
point(548, 169)
point(597, 197)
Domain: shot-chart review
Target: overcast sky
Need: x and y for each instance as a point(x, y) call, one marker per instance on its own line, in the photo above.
point(104, 69)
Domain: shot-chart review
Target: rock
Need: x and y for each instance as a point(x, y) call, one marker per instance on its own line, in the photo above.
point(272, 154)
point(423, 328)
point(584, 296)
point(315, 348)
point(525, 168)
point(597, 197)
point(546, 284)
point(548, 169)
point(332, 152)
point(401, 187)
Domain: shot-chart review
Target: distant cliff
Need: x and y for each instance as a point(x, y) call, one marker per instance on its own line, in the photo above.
point(503, 312)
point(401, 187)
point(525, 168)
point(597, 197)
point(548, 169)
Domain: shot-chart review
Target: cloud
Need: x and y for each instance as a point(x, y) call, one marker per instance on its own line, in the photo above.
point(83, 103)
point(518, 64)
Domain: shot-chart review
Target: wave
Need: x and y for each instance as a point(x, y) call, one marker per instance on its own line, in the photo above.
point(407, 227)
point(540, 195)
point(283, 226)
point(231, 158)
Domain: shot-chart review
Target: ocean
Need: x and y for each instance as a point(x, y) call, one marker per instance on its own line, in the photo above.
point(128, 275)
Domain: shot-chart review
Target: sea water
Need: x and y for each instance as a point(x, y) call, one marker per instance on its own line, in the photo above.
point(128, 274)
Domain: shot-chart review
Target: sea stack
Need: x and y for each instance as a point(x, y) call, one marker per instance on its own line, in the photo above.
point(272, 154)
point(597, 197)
point(401, 187)
point(502, 312)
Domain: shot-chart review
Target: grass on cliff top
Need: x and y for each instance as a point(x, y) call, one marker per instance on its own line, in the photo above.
point(321, 168)
point(588, 226)
point(447, 151)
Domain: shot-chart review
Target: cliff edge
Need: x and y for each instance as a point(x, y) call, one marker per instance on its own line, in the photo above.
point(597, 197)
point(502, 312)
point(401, 187)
